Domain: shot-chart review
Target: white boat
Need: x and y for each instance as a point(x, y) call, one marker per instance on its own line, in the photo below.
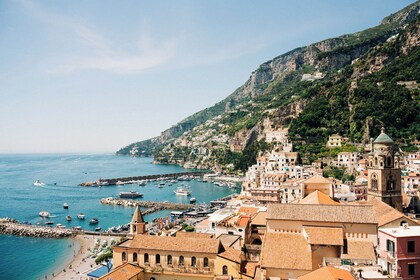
point(131, 194)
point(193, 200)
point(38, 183)
point(65, 206)
point(81, 216)
point(68, 218)
point(44, 214)
point(182, 191)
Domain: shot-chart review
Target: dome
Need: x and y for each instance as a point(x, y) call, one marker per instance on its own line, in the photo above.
point(383, 138)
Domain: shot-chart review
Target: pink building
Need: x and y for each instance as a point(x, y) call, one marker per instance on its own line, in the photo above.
point(399, 250)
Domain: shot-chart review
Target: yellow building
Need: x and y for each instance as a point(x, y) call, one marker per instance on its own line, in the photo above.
point(300, 238)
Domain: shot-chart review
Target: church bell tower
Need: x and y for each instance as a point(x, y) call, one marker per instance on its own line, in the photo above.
point(384, 173)
point(137, 224)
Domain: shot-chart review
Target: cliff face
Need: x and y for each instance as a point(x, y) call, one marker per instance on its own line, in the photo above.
point(280, 90)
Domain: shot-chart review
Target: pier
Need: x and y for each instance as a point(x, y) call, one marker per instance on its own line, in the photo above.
point(152, 206)
point(129, 180)
point(13, 227)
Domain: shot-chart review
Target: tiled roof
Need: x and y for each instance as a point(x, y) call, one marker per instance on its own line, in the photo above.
point(228, 239)
point(359, 249)
point(324, 213)
point(286, 251)
point(328, 273)
point(177, 244)
point(248, 210)
point(243, 221)
point(324, 235)
point(231, 254)
point(123, 272)
point(318, 197)
point(249, 268)
point(194, 234)
point(260, 219)
point(317, 179)
point(137, 216)
point(384, 213)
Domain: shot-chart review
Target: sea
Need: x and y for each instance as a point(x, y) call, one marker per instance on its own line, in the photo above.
point(39, 258)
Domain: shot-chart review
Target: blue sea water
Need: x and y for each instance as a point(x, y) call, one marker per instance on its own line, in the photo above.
point(33, 258)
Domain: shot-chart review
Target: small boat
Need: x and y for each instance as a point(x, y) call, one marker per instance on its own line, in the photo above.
point(68, 218)
point(98, 229)
point(131, 194)
point(38, 183)
point(182, 191)
point(77, 228)
point(66, 206)
point(142, 183)
point(193, 200)
point(49, 223)
point(94, 221)
point(44, 214)
point(81, 216)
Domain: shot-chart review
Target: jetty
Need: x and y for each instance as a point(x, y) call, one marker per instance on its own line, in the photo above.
point(135, 179)
point(152, 206)
point(13, 227)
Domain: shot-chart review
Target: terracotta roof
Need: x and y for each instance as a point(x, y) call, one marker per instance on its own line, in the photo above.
point(194, 234)
point(384, 213)
point(324, 235)
point(317, 179)
point(248, 210)
point(243, 221)
point(122, 272)
point(328, 273)
point(359, 249)
point(260, 219)
point(249, 269)
point(177, 244)
point(137, 216)
point(231, 254)
point(318, 197)
point(286, 251)
point(228, 239)
point(325, 213)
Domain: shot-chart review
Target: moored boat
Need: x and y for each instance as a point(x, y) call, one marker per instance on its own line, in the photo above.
point(49, 223)
point(65, 206)
point(81, 216)
point(131, 194)
point(193, 200)
point(94, 221)
point(68, 218)
point(98, 229)
point(182, 191)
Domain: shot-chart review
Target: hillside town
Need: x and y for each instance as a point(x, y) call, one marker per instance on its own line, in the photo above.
point(291, 222)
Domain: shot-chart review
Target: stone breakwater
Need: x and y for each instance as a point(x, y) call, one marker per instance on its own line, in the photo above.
point(152, 206)
point(13, 227)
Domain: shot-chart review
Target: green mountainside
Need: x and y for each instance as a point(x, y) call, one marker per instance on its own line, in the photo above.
point(351, 85)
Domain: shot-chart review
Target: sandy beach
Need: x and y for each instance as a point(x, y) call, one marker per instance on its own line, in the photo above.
point(81, 262)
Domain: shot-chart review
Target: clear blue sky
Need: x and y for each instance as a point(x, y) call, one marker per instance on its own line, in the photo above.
point(94, 76)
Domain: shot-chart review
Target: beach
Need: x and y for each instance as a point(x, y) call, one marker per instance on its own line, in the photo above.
point(81, 262)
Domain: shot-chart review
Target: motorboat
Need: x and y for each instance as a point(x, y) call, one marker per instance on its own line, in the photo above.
point(81, 216)
point(98, 229)
point(142, 183)
point(65, 206)
point(94, 221)
point(77, 228)
point(131, 194)
point(38, 183)
point(193, 200)
point(49, 223)
point(44, 214)
point(68, 218)
point(182, 191)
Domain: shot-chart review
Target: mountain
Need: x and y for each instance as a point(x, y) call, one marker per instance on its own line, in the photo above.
point(343, 85)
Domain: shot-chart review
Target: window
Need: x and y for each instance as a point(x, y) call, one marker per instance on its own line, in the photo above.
point(345, 248)
point(134, 257)
point(169, 260)
point(411, 247)
point(124, 256)
point(193, 261)
point(206, 262)
point(411, 269)
point(181, 260)
point(224, 270)
point(158, 259)
point(390, 247)
point(146, 258)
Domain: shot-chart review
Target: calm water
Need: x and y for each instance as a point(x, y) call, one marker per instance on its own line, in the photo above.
point(21, 200)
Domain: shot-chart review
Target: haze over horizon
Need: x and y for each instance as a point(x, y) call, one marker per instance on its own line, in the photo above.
point(93, 77)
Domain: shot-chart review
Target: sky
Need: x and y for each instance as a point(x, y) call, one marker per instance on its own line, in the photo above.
point(95, 76)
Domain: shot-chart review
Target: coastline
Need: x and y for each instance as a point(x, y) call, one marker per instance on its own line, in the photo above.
point(80, 262)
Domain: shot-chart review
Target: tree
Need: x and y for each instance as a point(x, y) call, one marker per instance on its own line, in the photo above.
point(106, 257)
